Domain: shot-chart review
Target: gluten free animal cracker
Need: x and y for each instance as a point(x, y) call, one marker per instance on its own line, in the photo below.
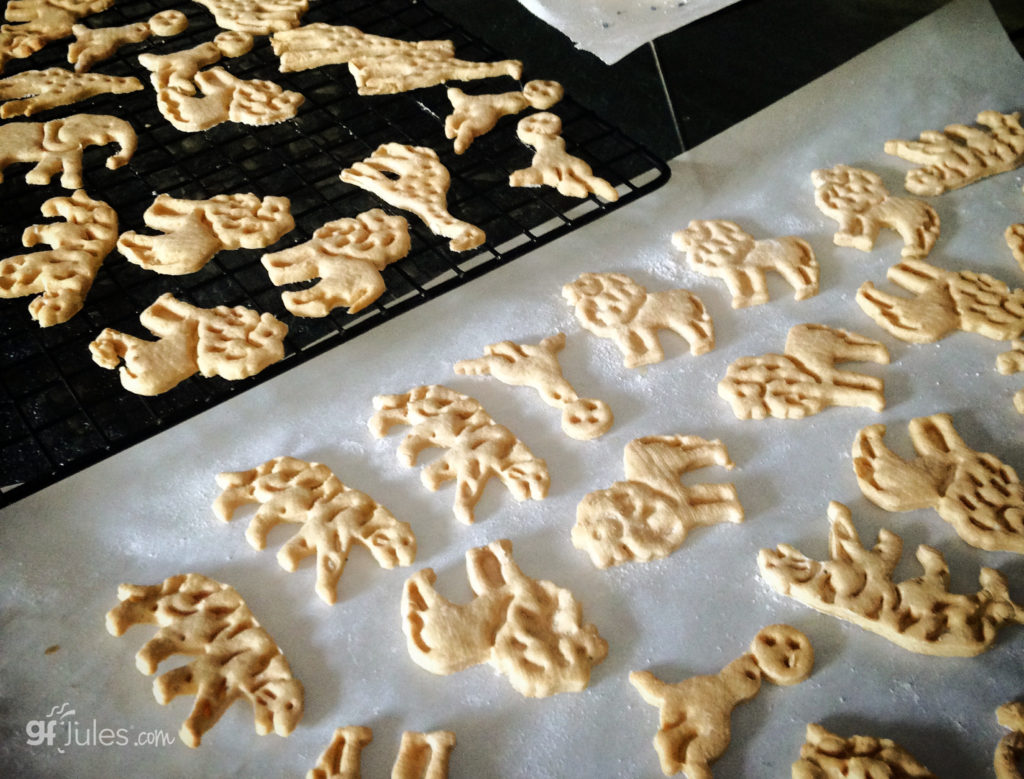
point(476, 115)
point(552, 165)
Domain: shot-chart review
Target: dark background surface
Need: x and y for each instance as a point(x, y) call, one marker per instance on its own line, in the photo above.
point(716, 71)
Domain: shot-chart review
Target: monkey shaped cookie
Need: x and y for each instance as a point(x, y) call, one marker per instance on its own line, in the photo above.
point(476, 115)
point(979, 495)
point(61, 276)
point(95, 44)
point(57, 146)
point(412, 178)
point(552, 165)
point(347, 257)
point(1012, 362)
point(33, 91)
point(960, 155)
point(723, 250)
point(858, 200)
point(920, 614)
point(537, 366)
point(193, 231)
point(649, 515)
point(34, 23)
point(1010, 749)
point(612, 305)
point(804, 381)
point(942, 302)
point(420, 755)
point(695, 728)
point(193, 99)
point(233, 343)
point(332, 518)
point(256, 17)
point(531, 631)
point(478, 447)
point(825, 755)
point(234, 656)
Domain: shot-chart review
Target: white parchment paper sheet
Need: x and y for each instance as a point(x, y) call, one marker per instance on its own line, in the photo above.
point(145, 514)
point(611, 29)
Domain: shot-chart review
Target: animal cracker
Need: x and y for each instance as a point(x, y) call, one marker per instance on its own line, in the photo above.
point(33, 91)
point(318, 44)
point(256, 17)
point(476, 115)
point(420, 755)
point(1011, 362)
point(1010, 749)
point(1014, 237)
point(38, 22)
point(95, 44)
point(824, 755)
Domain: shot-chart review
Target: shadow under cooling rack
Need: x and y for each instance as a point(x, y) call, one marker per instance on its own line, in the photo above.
point(60, 412)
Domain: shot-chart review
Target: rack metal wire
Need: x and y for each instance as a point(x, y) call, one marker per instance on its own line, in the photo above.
point(60, 412)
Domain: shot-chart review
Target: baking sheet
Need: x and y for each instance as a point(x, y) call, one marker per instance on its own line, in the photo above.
point(145, 514)
point(611, 29)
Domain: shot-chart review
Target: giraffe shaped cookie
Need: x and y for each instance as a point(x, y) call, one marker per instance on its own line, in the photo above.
point(233, 343)
point(695, 714)
point(33, 91)
point(95, 44)
point(332, 518)
point(347, 256)
point(193, 231)
point(537, 366)
point(256, 17)
point(942, 302)
point(723, 250)
point(552, 165)
point(920, 614)
point(318, 44)
point(804, 381)
point(476, 115)
point(960, 155)
point(979, 495)
point(530, 630)
point(61, 276)
point(412, 178)
point(858, 200)
point(612, 305)
point(649, 515)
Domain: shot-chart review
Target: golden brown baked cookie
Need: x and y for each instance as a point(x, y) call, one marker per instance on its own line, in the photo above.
point(531, 631)
point(95, 44)
point(332, 518)
point(256, 17)
point(234, 657)
point(825, 755)
point(1014, 236)
point(420, 755)
point(1011, 362)
point(612, 305)
point(552, 165)
point(318, 44)
point(919, 614)
point(476, 115)
point(33, 91)
point(478, 448)
point(38, 22)
point(649, 515)
point(803, 380)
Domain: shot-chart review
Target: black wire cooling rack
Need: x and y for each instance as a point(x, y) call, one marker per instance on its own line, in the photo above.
point(60, 412)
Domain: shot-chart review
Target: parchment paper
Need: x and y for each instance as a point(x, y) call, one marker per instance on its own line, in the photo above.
point(145, 514)
point(611, 29)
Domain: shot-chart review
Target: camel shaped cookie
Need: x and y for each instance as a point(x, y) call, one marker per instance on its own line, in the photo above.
point(478, 447)
point(942, 302)
point(723, 250)
point(537, 366)
point(695, 728)
point(95, 44)
point(61, 276)
point(649, 515)
point(193, 231)
point(1009, 363)
point(531, 631)
point(317, 44)
point(920, 614)
point(234, 656)
point(412, 178)
point(420, 755)
point(612, 305)
point(33, 91)
point(1010, 749)
point(233, 343)
point(57, 146)
point(858, 200)
point(825, 755)
point(961, 155)
point(192, 99)
point(979, 495)
point(552, 165)
point(332, 518)
point(347, 256)
point(476, 115)
point(34, 23)
point(804, 381)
